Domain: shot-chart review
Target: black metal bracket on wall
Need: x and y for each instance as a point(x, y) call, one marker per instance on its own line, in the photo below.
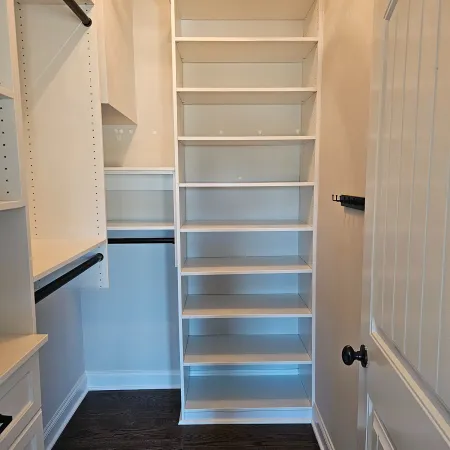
point(76, 9)
point(61, 281)
point(350, 201)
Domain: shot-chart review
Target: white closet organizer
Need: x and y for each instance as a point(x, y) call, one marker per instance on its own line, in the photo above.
point(246, 89)
point(20, 398)
point(63, 132)
point(139, 199)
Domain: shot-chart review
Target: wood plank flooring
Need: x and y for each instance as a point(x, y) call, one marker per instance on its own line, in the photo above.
point(148, 420)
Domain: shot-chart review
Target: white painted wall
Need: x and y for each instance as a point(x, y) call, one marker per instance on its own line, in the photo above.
point(61, 359)
point(130, 330)
point(344, 138)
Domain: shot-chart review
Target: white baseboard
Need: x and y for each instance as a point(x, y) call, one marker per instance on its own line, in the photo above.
point(65, 412)
point(320, 430)
point(124, 380)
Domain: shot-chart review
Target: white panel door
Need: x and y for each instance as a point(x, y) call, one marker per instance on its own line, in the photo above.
point(405, 390)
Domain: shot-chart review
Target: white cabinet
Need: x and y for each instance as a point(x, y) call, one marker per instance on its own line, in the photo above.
point(116, 53)
point(32, 437)
point(246, 89)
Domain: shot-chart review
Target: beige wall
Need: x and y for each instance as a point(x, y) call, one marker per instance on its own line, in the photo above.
point(344, 131)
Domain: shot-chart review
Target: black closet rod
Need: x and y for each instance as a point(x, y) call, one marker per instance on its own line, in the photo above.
point(76, 8)
point(141, 240)
point(45, 291)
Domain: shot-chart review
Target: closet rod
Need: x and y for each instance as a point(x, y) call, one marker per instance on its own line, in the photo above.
point(141, 240)
point(53, 286)
point(76, 8)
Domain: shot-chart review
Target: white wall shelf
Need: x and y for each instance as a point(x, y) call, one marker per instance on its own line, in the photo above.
point(197, 141)
point(245, 265)
point(16, 350)
point(139, 170)
point(5, 206)
point(236, 96)
point(139, 226)
point(240, 49)
point(248, 10)
point(281, 184)
point(245, 349)
point(6, 93)
point(245, 306)
point(246, 392)
point(244, 226)
point(50, 255)
point(55, 2)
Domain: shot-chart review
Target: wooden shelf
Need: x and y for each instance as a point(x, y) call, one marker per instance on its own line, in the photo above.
point(244, 306)
point(8, 205)
point(241, 226)
point(249, 185)
point(248, 50)
point(218, 393)
point(245, 349)
point(248, 10)
point(247, 96)
point(50, 255)
point(139, 226)
point(139, 170)
point(16, 350)
point(6, 93)
point(245, 265)
point(217, 141)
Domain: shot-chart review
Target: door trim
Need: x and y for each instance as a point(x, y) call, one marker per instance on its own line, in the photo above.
point(435, 413)
point(320, 430)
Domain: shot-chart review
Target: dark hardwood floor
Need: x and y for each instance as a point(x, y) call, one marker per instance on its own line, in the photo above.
point(141, 420)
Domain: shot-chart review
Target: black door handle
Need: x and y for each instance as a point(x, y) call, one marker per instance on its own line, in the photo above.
point(349, 355)
point(4, 422)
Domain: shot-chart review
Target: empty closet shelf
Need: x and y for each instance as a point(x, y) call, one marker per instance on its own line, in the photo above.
point(246, 392)
point(239, 10)
point(16, 350)
point(6, 93)
point(196, 141)
point(50, 255)
point(243, 226)
point(245, 306)
point(250, 185)
point(245, 265)
point(243, 49)
point(14, 204)
point(139, 226)
point(245, 349)
point(247, 96)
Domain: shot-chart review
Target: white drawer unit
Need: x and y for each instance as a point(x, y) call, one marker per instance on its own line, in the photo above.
point(32, 437)
point(20, 397)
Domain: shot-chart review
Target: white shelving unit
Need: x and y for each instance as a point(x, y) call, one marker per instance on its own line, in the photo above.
point(64, 157)
point(20, 395)
point(139, 199)
point(246, 79)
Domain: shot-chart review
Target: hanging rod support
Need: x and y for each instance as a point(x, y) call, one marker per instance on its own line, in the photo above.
point(76, 8)
point(141, 240)
point(53, 286)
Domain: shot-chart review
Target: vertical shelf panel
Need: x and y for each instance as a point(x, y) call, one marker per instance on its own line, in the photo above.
point(63, 138)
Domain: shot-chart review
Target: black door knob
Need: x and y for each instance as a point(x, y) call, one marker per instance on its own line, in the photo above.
point(349, 355)
point(4, 422)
